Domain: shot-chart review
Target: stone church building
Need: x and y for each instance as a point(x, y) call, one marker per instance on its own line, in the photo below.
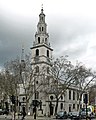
point(42, 61)
point(42, 56)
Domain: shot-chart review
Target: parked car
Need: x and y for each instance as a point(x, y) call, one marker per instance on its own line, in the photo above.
point(62, 115)
point(4, 111)
point(73, 115)
point(89, 114)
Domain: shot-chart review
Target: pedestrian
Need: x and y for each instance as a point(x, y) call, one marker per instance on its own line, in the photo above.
point(23, 113)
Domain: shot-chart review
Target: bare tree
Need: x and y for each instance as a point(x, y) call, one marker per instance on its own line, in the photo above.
point(63, 74)
point(84, 78)
point(61, 77)
point(22, 74)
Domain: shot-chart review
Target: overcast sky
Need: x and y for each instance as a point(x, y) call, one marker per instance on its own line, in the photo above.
point(71, 26)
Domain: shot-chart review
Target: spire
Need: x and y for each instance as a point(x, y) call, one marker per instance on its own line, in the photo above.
point(22, 54)
point(42, 8)
point(22, 59)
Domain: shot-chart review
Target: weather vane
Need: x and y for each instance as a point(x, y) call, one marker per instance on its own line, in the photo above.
point(42, 6)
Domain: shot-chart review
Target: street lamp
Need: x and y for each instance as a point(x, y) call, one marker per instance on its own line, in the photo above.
point(86, 101)
point(13, 100)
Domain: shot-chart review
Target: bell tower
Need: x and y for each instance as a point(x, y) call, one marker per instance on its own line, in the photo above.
point(41, 58)
point(41, 50)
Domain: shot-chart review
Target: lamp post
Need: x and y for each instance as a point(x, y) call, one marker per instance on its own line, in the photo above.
point(86, 101)
point(34, 99)
point(13, 100)
point(35, 106)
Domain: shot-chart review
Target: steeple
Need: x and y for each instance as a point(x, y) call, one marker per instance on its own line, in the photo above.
point(22, 59)
point(42, 8)
point(22, 54)
point(41, 50)
point(41, 36)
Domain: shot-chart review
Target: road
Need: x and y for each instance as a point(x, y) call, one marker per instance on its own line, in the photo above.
point(3, 117)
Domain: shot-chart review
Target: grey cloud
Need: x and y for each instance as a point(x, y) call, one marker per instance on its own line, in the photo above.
point(12, 35)
point(68, 31)
point(63, 31)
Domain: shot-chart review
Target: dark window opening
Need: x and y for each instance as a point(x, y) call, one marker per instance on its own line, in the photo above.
point(47, 53)
point(36, 82)
point(51, 97)
point(38, 39)
point(77, 106)
point(61, 97)
point(61, 106)
point(45, 40)
point(73, 95)
point(37, 52)
point(73, 106)
point(70, 95)
point(42, 28)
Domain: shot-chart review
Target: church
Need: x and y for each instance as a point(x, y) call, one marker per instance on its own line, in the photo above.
point(42, 59)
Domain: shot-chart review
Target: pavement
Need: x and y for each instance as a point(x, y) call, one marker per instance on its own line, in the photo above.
point(39, 118)
point(9, 117)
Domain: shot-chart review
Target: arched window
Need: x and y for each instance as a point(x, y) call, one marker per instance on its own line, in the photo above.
point(38, 39)
point(47, 53)
point(37, 52)
point(37, 69)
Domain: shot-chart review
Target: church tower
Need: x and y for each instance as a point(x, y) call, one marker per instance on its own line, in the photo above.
point(41, 50)
point(41, 58)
